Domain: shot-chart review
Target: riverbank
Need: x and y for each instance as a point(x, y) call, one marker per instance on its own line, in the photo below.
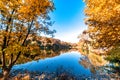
point(26, 75)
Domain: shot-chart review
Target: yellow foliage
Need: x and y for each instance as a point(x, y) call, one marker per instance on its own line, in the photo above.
point(19, 25)
point(103, 22)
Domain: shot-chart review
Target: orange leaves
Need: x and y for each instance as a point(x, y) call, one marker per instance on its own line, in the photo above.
point(26, 9)
point(14, 49)
point(33, 8)
point(102, 10)
point(103, 22)
point(19, 19)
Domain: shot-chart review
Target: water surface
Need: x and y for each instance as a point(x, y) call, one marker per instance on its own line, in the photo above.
point(72, 63)
point(68, 62)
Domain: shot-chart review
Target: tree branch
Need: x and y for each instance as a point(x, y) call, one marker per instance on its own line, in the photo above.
point(5, 42)
point(29, 28)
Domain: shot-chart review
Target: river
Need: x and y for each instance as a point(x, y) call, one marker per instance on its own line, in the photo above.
point(69, 64)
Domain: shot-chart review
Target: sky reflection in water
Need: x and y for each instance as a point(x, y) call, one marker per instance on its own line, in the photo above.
point(68, 62)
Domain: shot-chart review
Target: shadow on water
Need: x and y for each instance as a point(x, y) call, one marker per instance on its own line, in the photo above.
point(62, 65)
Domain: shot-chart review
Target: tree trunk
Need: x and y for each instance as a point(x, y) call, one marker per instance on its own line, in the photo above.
point(5, 74)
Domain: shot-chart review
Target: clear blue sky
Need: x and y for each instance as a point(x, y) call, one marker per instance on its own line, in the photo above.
point(68, 17)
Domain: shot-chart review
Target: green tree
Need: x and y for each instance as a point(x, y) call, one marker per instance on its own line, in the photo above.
point(21, 21)
point(114, 54)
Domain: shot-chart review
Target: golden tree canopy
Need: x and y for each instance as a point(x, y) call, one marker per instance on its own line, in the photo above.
point(21, 21)
point(103, 20)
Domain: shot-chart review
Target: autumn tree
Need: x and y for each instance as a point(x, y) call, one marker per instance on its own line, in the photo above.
point(103, 20)
point(21, 20)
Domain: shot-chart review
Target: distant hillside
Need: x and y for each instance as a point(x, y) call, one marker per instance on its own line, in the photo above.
point(50, 43)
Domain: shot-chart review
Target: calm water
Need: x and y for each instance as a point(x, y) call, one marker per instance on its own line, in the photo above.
point(71, 63)
point(66, 62)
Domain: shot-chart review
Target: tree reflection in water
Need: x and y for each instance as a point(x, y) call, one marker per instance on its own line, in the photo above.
point(104, 71)
point(92, 62)
point(41, 55)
